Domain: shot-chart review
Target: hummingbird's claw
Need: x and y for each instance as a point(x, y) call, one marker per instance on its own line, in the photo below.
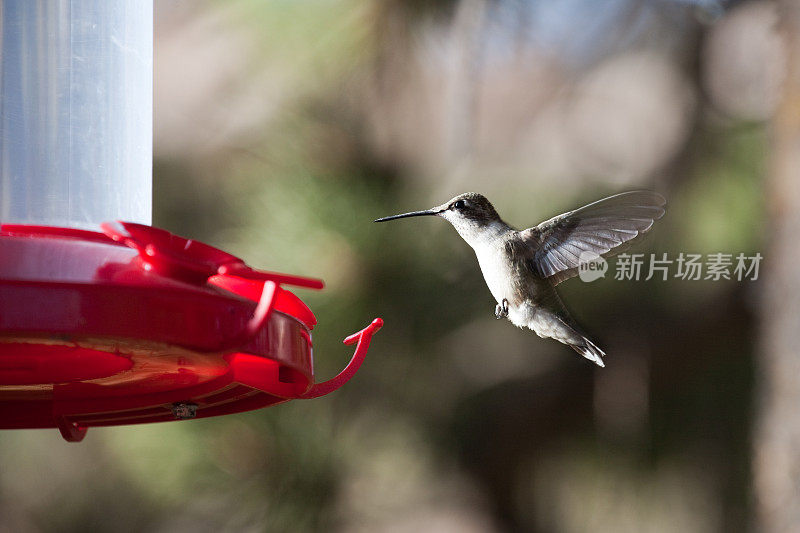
point(501, 310)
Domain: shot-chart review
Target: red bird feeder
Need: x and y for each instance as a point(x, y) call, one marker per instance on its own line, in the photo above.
point(137, 325)
point(130, 324)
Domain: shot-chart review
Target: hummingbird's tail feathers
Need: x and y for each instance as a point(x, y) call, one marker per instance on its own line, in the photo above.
point(554, 322)
point(590, 351)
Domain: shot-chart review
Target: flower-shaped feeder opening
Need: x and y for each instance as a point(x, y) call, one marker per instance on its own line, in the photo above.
point(138, 325)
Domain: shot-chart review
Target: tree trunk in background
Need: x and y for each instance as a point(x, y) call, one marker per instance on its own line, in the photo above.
point(777, 434)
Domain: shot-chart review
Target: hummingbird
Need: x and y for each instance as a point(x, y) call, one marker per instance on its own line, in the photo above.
point(523, 267)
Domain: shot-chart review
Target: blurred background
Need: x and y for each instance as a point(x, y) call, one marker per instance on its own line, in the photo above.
point(282, 129)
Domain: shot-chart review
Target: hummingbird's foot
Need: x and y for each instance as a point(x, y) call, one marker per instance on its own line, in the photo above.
point(501, 310)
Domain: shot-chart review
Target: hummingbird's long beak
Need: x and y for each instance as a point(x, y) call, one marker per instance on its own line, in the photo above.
point(427, 212)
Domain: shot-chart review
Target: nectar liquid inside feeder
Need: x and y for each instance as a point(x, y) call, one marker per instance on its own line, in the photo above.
point(129, 324)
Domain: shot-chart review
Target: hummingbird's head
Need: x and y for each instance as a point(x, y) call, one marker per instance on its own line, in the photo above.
point(471, 214)
point(470, 209)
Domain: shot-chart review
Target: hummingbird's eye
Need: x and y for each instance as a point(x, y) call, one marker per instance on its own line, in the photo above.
point(459, 204)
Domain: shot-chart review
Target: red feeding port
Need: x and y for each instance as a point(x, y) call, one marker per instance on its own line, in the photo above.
point(138, 325)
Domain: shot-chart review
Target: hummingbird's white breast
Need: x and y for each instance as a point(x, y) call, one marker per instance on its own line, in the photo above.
point(501, 275)
point(497, 271)
point(495, 263)
point(489, 242)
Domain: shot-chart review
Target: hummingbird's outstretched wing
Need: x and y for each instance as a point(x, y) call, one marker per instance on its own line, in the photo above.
point(598, 229)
